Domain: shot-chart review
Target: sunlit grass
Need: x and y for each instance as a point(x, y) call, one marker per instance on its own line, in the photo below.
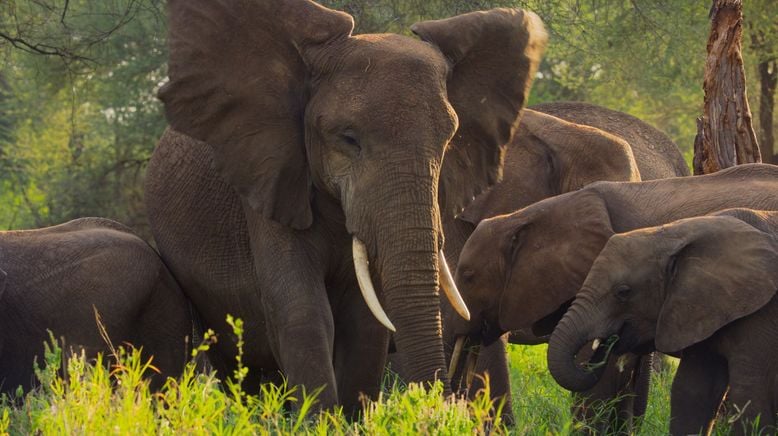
point(542, 407)
point(110, 396)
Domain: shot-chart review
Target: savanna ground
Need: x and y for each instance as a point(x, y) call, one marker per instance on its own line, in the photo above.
point(110, 396)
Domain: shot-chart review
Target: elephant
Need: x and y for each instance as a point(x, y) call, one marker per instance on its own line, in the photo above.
point(521, 271)
point(558, 147)
point(701, 288)
point(60, 278)
point(561, 147)
point(303, 179)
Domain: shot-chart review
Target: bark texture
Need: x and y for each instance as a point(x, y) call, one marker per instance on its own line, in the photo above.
point(725, 133)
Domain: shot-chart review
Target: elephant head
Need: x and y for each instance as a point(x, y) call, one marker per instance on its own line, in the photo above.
point(667, 288)
point(549, 156)
point(295, 108)
point(521, 270)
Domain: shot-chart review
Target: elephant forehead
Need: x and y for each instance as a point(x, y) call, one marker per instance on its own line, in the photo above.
point(395, 55)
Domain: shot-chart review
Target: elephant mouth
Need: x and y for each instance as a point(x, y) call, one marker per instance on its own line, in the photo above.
point(626, 340)
point(602, 352)
point(631, 342)
point(546, 325)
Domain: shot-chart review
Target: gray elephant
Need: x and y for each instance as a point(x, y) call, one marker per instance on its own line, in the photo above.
point(556, 150)
point(312, 201)
point(701, 288)
point(57, 278)
point(522, 270)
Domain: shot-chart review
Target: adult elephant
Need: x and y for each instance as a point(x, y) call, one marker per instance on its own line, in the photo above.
point(521, 271)
point(322, 152)
point(561, 147)
point(703, 288)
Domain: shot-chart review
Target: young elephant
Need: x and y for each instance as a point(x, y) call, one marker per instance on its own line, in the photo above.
point(56, 278)
point(704, 288)
point(521, 270)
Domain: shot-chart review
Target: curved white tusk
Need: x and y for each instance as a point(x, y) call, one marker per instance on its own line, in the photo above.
point(366, 284)
point(596, 344)
point(452, 366)
point(450, 288)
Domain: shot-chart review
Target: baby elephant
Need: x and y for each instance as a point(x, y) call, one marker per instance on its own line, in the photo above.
point(703, 289)
point(56, 278)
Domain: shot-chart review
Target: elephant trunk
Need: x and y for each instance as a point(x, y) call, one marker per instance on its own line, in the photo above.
point(401, 233)
point(410, 282)
point(576, 328)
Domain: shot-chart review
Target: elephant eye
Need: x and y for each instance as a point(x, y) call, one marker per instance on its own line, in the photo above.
point(623, 292)
point(349, 138)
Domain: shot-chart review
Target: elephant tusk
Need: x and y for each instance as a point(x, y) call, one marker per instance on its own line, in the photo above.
point(450, 288)
point(595, 344)
point(366, 284)
point(472, 359)
point(452, 367)
point(621, 362)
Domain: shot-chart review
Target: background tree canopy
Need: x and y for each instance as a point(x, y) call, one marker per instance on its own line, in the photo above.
point(79, 117)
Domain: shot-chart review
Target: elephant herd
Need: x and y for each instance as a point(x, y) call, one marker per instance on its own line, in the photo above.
point(358, 199)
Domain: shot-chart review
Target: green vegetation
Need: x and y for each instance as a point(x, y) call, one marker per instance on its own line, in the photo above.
point(109, 396)
point(78, 79)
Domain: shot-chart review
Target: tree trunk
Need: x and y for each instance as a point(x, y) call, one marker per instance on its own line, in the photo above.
point(725, 134)
point(768, 78)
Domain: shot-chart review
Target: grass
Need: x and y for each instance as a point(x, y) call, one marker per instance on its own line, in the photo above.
point(110, 396)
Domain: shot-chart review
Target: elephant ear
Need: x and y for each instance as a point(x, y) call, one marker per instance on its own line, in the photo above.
point(494, 57)
point(723, 269)
point(581, 154)
point(550, 156)
point(237, 82)
point(553, 255)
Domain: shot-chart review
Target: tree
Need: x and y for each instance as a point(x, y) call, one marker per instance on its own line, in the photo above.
point(725, 135)
point(762, 26)
point(85, 116)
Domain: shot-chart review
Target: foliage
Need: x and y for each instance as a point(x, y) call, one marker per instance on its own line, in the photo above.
point(108, 395)
point(77, 125)
point(78, 130)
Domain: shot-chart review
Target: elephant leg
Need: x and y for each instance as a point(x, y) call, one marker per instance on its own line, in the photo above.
point(302, 329)
point(296, 307)
point(165, 329)
point(493, 359)
point(698, 389)
point(749, 397)
point(750, 403)
point(642, 383)
point(608, 407)
point(361, 345)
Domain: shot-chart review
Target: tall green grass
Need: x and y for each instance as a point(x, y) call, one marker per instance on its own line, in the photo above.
point(109, 395)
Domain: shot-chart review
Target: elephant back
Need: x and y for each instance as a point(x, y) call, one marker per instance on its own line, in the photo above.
point(657, 156)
